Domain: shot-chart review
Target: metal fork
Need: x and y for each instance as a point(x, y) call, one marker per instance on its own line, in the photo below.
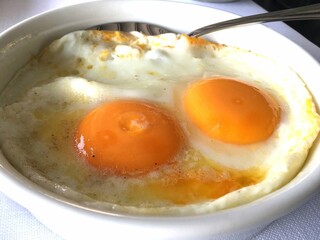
point(300, 13)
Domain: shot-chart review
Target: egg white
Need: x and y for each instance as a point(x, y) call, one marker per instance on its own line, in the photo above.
point(84, 69)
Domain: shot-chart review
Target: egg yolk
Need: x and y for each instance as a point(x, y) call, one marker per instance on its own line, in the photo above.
point(128, 137)
point(231, 111)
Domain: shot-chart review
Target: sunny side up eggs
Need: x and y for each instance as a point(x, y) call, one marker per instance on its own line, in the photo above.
point(162, 124)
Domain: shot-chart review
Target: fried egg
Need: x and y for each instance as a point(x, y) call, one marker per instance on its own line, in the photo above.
point(162, 124)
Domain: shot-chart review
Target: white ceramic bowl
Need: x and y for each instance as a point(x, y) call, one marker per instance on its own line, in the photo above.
point(72, 221)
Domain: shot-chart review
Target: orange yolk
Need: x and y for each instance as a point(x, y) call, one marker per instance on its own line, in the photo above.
point(128, 137)
point(231, 111)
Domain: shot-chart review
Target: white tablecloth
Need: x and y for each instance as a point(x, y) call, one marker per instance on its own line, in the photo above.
point(16, 223)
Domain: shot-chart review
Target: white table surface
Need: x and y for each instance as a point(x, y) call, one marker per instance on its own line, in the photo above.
point(16, 223)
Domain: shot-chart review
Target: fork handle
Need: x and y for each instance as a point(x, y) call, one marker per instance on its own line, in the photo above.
point(300, 13)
